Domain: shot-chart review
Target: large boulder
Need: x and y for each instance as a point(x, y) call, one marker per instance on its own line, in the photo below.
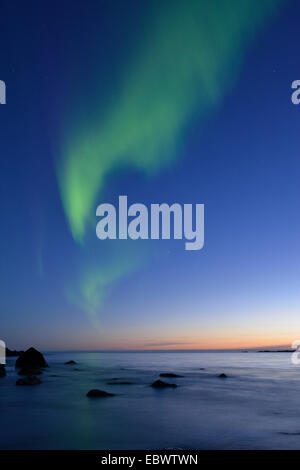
point(161, 384)
point(70, 362)
point(30, 371)
point(2, 370)
point(29, 380)
point(31, 359)
point(95, 393)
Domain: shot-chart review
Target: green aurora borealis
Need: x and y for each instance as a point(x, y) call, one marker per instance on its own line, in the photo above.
point(189, 56)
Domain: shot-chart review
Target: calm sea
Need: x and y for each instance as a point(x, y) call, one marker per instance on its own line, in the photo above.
point(255, 407)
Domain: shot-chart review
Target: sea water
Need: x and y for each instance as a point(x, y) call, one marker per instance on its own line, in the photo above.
point(255, 407)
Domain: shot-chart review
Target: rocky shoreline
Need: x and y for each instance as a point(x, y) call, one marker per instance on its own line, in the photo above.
point(31, 364)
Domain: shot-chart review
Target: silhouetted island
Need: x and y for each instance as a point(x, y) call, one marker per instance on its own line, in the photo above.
point(277, 351)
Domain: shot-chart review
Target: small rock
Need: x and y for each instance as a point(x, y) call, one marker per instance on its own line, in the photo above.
point(2, 370)
point(223, 376)
point(30, 380)
point(170, 375)
point(95, 393)
point(31, 359)
point(70, 362)
point(14, 353)
point(161, 384)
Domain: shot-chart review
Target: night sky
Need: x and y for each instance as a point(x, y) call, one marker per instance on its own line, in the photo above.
point(162, 101)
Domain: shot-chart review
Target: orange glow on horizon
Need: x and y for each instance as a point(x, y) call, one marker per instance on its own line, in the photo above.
point(218, 342)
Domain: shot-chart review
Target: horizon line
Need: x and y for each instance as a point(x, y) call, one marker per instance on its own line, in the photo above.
point(255, 348)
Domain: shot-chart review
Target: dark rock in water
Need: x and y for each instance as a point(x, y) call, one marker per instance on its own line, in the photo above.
point(2, 370)
point(31, 359)
point(119, 383)
point(161, 384)
point(29, 371)
point(170, 375)
point(70, 362)
point(10, 353)
point(30, 380)
point(95, 393)
point(223, 376)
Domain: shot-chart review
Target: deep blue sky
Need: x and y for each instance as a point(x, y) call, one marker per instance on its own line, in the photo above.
point(242, 162)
